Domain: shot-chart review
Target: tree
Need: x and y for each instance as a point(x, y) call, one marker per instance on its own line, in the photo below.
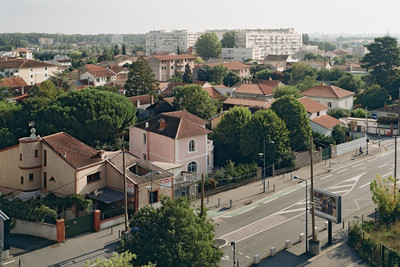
point(263, 74)
point(306, 39)
point(228, 135)
point(330, 46)
point(177, 77)
point(107, 55)
point(286, 90)
point(88, 115)
point(4, 91)
point(360, 113)
point(124, 49)
point(277, 76)
point(351, 82)
point(383, 59)
point(124, 259)
point(373, 97)
point(386, 197)
point(306, 83)
point(293, 113)
point(339, 113)
point(352, 126)
point(208, 46)
point(300, 71)
point(46, 89)
point(187, 75)
point(168, 229)
point(62, 81)
point(195, 100)
point(228, 39)
point(231, 78)
point(204, 73)
point(265, 125)
point(218, 73)
point(141, 79)
point(258, 67)
point(116, 50)
point(339, 134)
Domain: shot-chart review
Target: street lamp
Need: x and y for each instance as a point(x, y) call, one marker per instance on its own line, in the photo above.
point(151, 186)
point(301, 179)
point(263, 156)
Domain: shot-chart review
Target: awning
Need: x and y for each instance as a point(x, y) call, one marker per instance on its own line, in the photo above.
point(108, 195)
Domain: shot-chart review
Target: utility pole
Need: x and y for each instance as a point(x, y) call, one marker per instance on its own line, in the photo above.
point(202, 196)
point(125, 192)
point(264, 170)
point(366, 121)
point(395, 148)
point(312, 190)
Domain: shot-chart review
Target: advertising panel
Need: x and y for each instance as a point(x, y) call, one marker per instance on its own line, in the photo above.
point(327, 205)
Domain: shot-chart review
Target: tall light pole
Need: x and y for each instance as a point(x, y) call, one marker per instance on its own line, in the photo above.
point(366, 121)
point(297, 177)
point(264, 170)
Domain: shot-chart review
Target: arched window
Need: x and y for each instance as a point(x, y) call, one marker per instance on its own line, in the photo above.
point(192, 146)
point(192, 167)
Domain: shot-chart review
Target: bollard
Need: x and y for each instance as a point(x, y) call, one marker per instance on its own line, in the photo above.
point(291, 176)
point(326, 225)
point(288, 243)
point(219, 202)
point(19, 263)
point(325, 162)
point(112, 229)
point(343, 225)
point(302, 237)
point(208, 199)
point(256, 259)
point(272, 251)
point(283, 175)
point(230, 203)
point(274, 188)
point(268, 184)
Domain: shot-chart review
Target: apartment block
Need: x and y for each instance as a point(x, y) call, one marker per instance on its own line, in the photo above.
point(241, 54)
point(177, 41)
point(164, 67)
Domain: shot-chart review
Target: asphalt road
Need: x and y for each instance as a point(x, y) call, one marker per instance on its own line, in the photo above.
point(273, 220)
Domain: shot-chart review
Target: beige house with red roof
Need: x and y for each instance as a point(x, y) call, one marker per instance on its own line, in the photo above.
point(237, 67)
point(331, 96)
point(314, 108)
point(32, 71)
point(177, 137)
point(164, 66)
point(97, 75)
point(22, 52)
point(257, 91)
point(324, 124)
point(16, 85)
point(63, 165)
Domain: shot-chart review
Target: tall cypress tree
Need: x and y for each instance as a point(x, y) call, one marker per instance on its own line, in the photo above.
point(187, 76)
point(141, 79)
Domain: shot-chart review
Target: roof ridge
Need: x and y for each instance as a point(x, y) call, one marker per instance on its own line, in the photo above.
point(178, 129)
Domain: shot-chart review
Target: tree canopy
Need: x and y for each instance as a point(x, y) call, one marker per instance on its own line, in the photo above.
point(208, 46)
point(187, 75)
point(339, 134)
point(141, 79)
point(286, 90)
point(373, 97)
point(195, 100)
point(351, 82)
point(301, 71)
point(231, 78)
point(293, 113)
point(215, 74)
point(228, 39)
point(339, 113)
point(177, 234)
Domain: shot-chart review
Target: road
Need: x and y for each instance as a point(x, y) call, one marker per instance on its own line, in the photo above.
point(274, 219)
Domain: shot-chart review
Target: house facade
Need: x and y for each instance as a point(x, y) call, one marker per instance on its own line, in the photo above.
point(331, 96)
point(164, 67)
point(241, 54)
point(97, 75)
point(324, 124)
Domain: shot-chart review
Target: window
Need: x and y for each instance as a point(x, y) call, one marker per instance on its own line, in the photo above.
point(144, 138)
point(172, 67)
point(153, 196)
point(22, 179)
point(30, 177)
point(191, 146)
point(318, 114)
point(31, 69)
point(36, 153)
point(208, 160)
point(45, 68)
point(31, 76)
point(144, 156)
point(45, 180)
point(93, 177)
point(192, 167)
point(97, 80)
point(20, 156)
point(45, 75)
point(329, 104)
point(44, 158)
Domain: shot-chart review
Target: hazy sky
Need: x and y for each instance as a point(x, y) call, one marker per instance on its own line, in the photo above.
point(141, 16)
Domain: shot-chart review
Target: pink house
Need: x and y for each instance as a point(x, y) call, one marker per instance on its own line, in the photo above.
point(177, 137)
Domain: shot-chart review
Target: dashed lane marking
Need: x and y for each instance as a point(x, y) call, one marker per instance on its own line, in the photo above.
point(338, 192)
point(343, 170)
point(364, 185)
point(387, 174)
point(323, 178)
point(359, 164)
point(372, 159)
point(247, 210)
point(340, 186)
point(383, 165)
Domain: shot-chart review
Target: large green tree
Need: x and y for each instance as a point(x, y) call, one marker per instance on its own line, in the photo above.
point(187, 75)
point(301, 71)
point(228, 135)
point(46, 89)
point(383, 60)
point(351, 82)
point(208, 46)
point(339, 134)
point(141, 79)
point(287, 90)
point(195, 100)
point(265, 125)
point(89, 115)
point(62, 81)
point(177, 234)
point(339, 113)
point(373, 97)
point(228, 39)
point(293, 113)
point(231, 78)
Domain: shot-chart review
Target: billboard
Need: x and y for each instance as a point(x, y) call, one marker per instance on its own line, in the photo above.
point(327, 205)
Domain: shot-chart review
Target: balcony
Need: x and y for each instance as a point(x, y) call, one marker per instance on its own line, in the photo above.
point(186, 179)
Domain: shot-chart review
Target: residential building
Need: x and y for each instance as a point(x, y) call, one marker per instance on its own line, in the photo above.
point(252, 104)
point(324, 124)
point(16, 85)
point(272, 41)
point(241, 54)
point(316, 64)
point(314, 108)
point(242, 70)
point(257, 91)
point(63, 165)
point(164, 66)
point(177, 137)
point(22, 52)
point(178, 41)
point(96, 75)
point(331, 96)
point(32, 71)
point(279, 62)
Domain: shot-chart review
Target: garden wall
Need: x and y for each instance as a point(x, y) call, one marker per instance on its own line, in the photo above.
point(44, 230)
point(351, 146)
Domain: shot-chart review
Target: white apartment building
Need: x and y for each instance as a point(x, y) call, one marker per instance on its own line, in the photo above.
point(274, 41)
point(241, 54)
point(177, 41)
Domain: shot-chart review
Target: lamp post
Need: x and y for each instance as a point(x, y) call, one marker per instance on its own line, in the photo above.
point(263, 155)
point(301, 179)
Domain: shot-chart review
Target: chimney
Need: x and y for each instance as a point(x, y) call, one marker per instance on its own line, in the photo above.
point(138, 103)
point(101, 153)
point(163, 124)
point(146, 125)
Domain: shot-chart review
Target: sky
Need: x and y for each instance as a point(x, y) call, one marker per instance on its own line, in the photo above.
point(133, 16)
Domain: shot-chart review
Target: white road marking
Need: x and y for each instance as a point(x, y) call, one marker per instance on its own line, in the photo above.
point(340, 186)
point(240, 253)
point(265, 202)
point(323, 178)
point(289, 211)
point(289, 192)
point(359, 164)
point(364, 185)
point(247, 257)
point(387, 174)
point(372, 159)
point(247, 210)
point(383, 165)
point(8, 262)
point(343, 170)
point(343, 191)
point(391, 168)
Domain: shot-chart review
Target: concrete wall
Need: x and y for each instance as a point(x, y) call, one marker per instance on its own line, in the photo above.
point(303, 158)
point(111, 222)
point(44, 230)
point(352, 145)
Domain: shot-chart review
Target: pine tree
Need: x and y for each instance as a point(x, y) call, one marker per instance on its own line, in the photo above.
point(141, 79)
point(124, 49)
point(116, 50)
point(187, 76)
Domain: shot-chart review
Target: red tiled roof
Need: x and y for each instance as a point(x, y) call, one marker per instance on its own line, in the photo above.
point(173, 57)
point(187, 115)
point(170, 88)
point(234, 65)
point(13, 82)
point(328, 91)
point(213, 93)
point(76, 153)
point(102, 73)
point(245, 102)
point(144, 99)
point(255, 88)
point(93, 67)
point(21, 50)
point(273, 83)
point(116, 68)
point(312, 106)
point(19, 63)
point(326, 121)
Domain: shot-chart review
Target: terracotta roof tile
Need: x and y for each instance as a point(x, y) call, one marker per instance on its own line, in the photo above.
point(144, 99)
point(102, 73)
point(246, 102)
point(13, 82)
point(187, 115)
point(213, 93)
point(328, 91)
point(255, 88)
point(276, 57)
point(20, 63)
point(76, 153)
point(312, 106)
point(326, 121)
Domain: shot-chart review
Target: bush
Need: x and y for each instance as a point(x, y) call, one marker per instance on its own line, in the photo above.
point(234, 174)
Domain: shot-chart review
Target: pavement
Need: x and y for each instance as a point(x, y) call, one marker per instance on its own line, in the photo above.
point(32, 251)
